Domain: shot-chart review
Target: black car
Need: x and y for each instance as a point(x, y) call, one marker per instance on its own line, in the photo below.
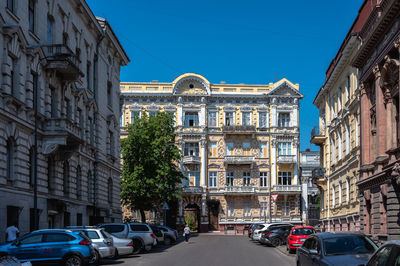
point(387, 255)
point(276, 235)
point(331, 249)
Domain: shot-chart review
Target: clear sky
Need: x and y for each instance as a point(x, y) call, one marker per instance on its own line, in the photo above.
point(254, 41)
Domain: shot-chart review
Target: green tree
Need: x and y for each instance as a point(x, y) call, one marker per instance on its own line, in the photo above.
point(150, 173)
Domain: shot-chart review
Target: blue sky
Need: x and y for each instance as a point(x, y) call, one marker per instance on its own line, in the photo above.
point(254, 41)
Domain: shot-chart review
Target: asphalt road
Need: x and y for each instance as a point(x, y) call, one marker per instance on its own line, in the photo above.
point(209, 250)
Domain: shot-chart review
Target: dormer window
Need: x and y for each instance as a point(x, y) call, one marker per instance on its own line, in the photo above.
point(191, 119)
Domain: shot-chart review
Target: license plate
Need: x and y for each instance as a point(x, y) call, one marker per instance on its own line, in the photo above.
point(302, 239)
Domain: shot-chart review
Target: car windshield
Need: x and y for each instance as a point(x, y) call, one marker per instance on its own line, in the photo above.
point(342, 245)
point(260, 226)
point(303, 231)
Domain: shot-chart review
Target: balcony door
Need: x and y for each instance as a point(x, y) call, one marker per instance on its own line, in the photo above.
point(246, 178)
point(229, 178)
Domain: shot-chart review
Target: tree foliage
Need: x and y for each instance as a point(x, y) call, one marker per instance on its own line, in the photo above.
point(150, 173)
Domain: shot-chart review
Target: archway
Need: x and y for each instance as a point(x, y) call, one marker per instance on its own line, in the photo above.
point(192, 216)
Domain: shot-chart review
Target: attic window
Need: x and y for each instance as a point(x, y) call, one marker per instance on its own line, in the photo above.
point(191, 86)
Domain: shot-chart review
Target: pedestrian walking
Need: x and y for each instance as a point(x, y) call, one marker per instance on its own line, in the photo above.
point(12, 233)
point(186, 232)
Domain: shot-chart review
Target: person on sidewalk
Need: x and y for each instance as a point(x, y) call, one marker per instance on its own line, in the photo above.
point(12, 233)
point(186, 232)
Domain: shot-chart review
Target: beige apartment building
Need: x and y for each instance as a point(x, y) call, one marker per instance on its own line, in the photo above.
point(239, 142)
point(338, 138)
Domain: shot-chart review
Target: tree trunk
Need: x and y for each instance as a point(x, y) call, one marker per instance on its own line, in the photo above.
point(143, 215)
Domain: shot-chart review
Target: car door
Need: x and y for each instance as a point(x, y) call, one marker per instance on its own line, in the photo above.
point(55, 245)
point(304, 255)
point(381, 257)
point(26, 247)
point(394, 259)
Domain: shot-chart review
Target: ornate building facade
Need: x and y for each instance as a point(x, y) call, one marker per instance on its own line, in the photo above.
point(233, 138)
point(378, 60)
point(337, 135)
point(72, 59)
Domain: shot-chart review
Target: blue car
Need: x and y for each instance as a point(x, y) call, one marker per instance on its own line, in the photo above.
point(70, 248)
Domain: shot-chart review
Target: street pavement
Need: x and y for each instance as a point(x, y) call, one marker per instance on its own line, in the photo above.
point(209, 250)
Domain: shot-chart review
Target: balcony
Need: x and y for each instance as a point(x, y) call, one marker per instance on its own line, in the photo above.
point(317, 137)
point(233, 130)
point(191, 159)
point(60, 58)
point(287, 189)
point(287, 159)
point(240, 190)
point(192, 190)
point(318, 173)
point(238, 159)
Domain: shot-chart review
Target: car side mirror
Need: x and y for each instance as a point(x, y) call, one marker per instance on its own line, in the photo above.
point(313, 252)
point(16, 243)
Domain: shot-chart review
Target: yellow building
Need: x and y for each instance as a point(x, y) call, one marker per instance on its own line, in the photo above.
point(338, 138)
point(233, 138)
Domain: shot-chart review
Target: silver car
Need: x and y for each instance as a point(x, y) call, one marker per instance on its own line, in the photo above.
point(101, 241)
point(124, 246)
point(170, 235)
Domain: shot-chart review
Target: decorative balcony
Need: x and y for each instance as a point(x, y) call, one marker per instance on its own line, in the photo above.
point(191, 159)
point(60, 58)
point(287, 188)
point(192, 190)
point(233, 130)
point(240, 190)
point(317, 137)
point(287, 159)
point(238, 159)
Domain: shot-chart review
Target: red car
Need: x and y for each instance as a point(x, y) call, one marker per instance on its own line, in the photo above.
point(297, 236)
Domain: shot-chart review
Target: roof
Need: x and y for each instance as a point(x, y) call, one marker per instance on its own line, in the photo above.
point(338, 234)
point(303, 226)
point(52, 230)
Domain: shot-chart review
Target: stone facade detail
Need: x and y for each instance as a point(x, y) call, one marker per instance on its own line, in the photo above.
point(225, 132)
point(74, 59)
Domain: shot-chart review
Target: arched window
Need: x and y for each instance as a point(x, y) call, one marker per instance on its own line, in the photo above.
point(110, 190)
point(333, 196)
point(340, 144)
point(347, 141)
point(31, 166)
point(10, 158)
point(66, 178)
point(347, 190)
point(78, 182)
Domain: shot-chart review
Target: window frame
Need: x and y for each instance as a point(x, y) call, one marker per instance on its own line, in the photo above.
point(262, 119)
point(191, 117)
point(229, 120)
point(212, 119)
point(284, 119)
point(212, 178)
point(264, 179)
point(246, 118)
point(284, 178)
point(31, 15)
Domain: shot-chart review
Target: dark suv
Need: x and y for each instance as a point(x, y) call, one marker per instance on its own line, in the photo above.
point(276, 235)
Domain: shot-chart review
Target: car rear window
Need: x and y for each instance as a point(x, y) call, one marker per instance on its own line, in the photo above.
point(58, 237)
point(91, 234)
point(260, 226)
point(342, 245)
point(113, 228)
point(139, 227)
point(303, 231)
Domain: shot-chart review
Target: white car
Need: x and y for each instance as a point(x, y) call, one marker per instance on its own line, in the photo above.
point(256, 236)
point(124, 246)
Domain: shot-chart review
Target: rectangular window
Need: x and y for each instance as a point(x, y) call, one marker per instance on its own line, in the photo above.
point(229, 149)
point(246, 148)
point(229, 178)
point(340, 99)
point(246, 119)
point(212, 119)
point(10, 5)
point(49, 32)
point(262, 120)
point(13, 72)
point(246, 178)
point(67, 219)
point(112, 146)
point(31, 15)
point(213, 179)
point(286, 208)
point(68, 109)
point(191, 119)
point(263, 179)
point(263, 150)
point(193, 179)
point(109, 94)
point(283, 119)
point(284, 148)
point(212, 149)
point(285, 178)
point(88, 70)
point(340, 145)
point(12, 216)
point(53, 102)
point(191, 149)
point(79, 221)
point(348, 88)
point(134, 116)
point(229, 119)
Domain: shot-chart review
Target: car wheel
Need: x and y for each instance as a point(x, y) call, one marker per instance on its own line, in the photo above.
point(95, 258)
point(73, 260)
point(275, 242)
point(137, 246)
point(167, 241)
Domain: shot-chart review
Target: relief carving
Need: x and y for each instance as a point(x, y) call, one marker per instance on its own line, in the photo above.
point(396, 173)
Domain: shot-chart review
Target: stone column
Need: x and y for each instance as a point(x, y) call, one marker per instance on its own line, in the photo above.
point(380, 115)
point(365, 125)
point(203, 172)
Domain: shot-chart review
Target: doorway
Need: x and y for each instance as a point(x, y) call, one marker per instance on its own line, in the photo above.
point(192, 217)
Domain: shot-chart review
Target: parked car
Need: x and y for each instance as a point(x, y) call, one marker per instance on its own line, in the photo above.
point(124, 246)
point(102, 242)
point(158, 233)
point(51, 245)
point(331, 249)
point(170, 235)
point(387, 255)
point(262, 227)
point(297, 236)
point(276, 235)
point(141, 234)
point(252, 228)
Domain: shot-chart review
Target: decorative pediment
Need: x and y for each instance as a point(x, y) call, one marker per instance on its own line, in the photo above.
point(153, 107)
point(214, 166)
point(191, 84)
point(286, 90)
point(263, 108)
point(246, 108)
point(170, 108)
point(17, 40)
point(135, 107)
